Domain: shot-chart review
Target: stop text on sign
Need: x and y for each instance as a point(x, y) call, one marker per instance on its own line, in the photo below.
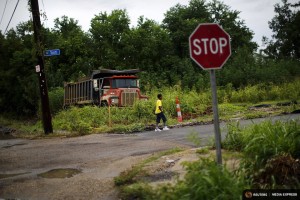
point(209, 45)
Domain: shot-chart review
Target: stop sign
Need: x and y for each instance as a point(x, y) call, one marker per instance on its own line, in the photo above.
point(209, 46)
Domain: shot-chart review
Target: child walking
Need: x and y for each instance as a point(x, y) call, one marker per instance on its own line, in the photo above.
point(160, 114)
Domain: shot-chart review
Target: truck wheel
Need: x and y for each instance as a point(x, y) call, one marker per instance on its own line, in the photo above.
point(104, 104)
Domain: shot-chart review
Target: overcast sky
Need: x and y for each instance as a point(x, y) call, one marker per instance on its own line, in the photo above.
point(255, 13)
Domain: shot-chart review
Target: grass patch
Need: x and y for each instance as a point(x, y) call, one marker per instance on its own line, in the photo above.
point(203, 150)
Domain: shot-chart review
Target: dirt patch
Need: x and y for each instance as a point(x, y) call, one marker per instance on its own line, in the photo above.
point(2, 176)
point(169, 169)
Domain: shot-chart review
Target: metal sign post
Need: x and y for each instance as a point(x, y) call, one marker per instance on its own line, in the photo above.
point(216, 115)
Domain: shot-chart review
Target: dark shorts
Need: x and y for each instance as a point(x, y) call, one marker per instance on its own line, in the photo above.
point(160, 116)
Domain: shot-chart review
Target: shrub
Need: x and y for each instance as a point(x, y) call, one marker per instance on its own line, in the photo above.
point(137, 191)
point(56, 96)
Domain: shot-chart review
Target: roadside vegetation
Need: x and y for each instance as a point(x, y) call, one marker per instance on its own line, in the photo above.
point(267, 155)
point(246, 103)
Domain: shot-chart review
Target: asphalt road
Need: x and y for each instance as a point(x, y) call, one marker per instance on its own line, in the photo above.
point(99, 157)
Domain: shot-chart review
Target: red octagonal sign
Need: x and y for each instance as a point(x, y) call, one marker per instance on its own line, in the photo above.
point(209, 46)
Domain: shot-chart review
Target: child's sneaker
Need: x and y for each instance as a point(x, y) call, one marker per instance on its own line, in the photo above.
point(166, 128)
point(157, 130)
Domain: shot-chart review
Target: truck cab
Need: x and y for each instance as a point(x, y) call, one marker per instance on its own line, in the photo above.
point(119, 90)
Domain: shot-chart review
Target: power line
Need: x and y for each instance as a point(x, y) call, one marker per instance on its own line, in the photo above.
point(11, 17)
point(3, 11)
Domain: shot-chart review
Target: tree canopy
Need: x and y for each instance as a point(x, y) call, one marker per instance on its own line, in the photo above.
point(159, 50)
point(285, 42)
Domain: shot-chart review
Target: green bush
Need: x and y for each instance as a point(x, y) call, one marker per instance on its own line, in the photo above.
point(234, 140)
point(137, 191)
point(56, 99)
point(77, 119)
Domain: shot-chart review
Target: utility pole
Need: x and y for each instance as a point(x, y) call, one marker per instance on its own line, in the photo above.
point(40, 68)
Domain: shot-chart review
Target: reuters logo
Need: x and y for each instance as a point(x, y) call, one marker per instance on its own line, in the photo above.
point(248, 194)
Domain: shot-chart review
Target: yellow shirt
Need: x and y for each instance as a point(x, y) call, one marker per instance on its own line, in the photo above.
point(158, 103)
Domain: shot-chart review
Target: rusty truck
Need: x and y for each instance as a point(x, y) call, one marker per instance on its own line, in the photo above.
point(105, 87)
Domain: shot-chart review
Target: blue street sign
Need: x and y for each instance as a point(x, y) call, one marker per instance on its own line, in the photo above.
point(53, 52)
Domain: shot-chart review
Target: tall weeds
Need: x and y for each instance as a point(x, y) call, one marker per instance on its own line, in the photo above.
point(193, 104)
point(263, 142)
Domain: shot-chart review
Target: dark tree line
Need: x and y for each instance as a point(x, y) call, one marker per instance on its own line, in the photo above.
point(159, 50)
point(285, 42)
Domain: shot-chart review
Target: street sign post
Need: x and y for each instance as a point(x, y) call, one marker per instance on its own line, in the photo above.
point(52, 52)
point(210, 48)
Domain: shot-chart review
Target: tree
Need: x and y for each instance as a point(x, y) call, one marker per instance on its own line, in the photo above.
point(240, 34)
point(181, 20)
point(74, 44)
point(107, 33)
point(17, 75)
point(148, 47)
point(285, 42)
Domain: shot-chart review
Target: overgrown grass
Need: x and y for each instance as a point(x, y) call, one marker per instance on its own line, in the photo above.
point(204, 180)
point(198, 105)
point(264, 140)
point(194, 106)
point(261, 143)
